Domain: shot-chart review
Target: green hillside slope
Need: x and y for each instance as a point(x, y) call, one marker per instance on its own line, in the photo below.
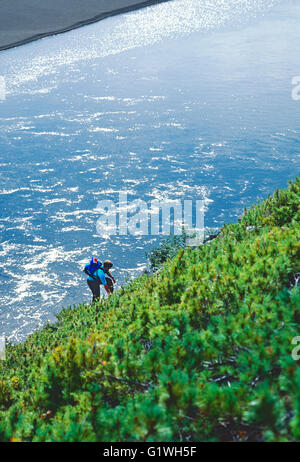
point(200, 351)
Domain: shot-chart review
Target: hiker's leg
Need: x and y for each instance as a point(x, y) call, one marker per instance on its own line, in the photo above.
point(110, 284)
point(95, 288)
point(97, 291)
point(91, 286)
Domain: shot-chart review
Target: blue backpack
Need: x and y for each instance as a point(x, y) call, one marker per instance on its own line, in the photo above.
point(93, 267)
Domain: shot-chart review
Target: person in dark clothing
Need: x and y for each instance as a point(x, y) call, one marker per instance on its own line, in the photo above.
point(99, 275)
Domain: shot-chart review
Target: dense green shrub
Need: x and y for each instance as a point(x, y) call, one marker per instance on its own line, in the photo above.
point(167, 249)
point(199, 351)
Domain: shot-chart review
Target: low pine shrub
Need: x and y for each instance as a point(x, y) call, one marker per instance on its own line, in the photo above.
point(200, 351)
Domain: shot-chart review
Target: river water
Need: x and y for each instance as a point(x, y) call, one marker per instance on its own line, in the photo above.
point(183, 100)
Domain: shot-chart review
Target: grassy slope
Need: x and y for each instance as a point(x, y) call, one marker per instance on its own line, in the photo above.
point(199, 351)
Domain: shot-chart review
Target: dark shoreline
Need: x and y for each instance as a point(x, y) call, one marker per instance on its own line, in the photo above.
point(9, 19)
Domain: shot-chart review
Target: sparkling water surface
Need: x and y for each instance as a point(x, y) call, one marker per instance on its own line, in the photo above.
point(190, 99)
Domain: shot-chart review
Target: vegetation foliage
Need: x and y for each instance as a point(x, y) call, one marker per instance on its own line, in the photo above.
point(200, 351)
point(168, 249)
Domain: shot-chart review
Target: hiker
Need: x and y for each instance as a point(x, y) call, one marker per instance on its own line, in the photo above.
point(98, 274)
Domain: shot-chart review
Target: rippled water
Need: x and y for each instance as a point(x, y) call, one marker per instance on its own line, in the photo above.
point(188, 99)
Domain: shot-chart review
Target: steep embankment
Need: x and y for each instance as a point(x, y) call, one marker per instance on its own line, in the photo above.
point(200, 351)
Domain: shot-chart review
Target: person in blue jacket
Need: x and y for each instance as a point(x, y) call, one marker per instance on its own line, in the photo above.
point(98, 274)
